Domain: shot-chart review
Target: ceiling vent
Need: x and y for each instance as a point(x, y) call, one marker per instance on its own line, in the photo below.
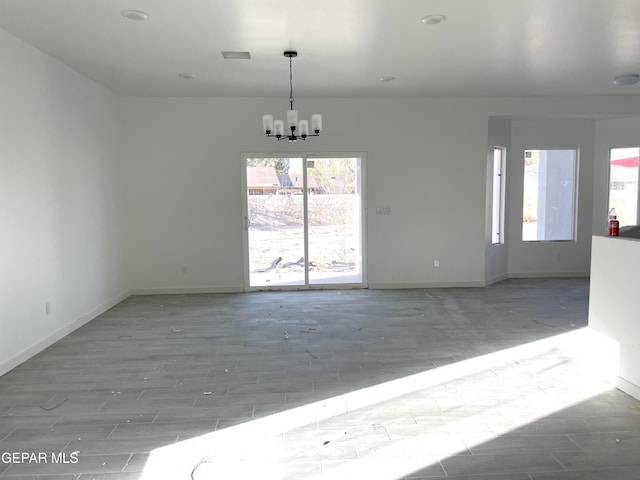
point(237, 55)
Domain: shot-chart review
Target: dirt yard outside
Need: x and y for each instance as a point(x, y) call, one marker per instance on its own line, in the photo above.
point(276, 236)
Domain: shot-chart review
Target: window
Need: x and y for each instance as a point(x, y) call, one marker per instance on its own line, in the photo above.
point(623, 184)
point(548, 207)
point(497, 216)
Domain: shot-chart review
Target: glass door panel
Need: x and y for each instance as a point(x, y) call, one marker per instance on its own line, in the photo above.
point(334, 220)
point(275, 222)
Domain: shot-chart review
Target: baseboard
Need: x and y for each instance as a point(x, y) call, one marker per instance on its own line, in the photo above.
point(496, 279)
point(548, 274)
point(628, 387)
point(187, 290)
point(40, 345)
point(392, 286)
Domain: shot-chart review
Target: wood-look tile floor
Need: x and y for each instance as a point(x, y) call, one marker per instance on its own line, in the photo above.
point(495, 383)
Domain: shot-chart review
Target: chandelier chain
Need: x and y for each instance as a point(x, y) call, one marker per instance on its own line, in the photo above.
point(290, 83)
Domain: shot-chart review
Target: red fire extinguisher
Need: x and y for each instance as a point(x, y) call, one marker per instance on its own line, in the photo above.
point(614, 224)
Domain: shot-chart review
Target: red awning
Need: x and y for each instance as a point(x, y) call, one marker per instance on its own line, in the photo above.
point(626, 162)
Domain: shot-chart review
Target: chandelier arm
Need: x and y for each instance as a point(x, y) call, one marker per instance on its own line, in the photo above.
point(282, 137)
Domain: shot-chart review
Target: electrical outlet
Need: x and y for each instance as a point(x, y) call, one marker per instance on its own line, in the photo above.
point(436, 264)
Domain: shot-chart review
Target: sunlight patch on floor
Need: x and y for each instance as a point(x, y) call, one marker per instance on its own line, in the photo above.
point(255, 449)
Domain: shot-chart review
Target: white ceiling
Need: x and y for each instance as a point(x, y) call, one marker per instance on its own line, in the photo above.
point(485, 48)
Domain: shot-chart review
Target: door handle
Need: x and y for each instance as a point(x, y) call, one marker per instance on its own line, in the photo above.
point(247, 223)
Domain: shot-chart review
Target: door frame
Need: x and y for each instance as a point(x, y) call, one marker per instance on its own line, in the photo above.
point(363, 219)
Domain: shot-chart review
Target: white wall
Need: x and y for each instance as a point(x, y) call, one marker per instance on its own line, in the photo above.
point(571, 258)
point(612, 133)
point(424, 159)
point(59, 201)
point(496, 266)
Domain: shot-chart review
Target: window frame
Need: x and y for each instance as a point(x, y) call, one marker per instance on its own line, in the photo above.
point(610, 150)
point(574, 195)
point(498, 204)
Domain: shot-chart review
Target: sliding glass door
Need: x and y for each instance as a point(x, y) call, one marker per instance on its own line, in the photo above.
point(303, 221)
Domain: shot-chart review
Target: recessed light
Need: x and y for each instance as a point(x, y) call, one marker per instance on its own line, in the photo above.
point(388, 78)
point(627, 79)
point(236, 55)
point(188, 76)
point(434, 19)
point(135, 15)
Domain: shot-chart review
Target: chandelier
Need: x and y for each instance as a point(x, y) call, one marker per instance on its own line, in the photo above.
point(299, 129)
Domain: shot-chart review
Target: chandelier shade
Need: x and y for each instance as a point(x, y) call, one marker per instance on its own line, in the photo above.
point(295, 129)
